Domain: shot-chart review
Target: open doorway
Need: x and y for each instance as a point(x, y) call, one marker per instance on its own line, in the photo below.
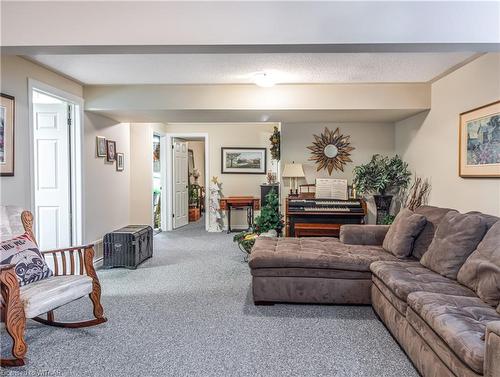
point(56, 176)
point(157, 186)
point(187, 180)
point(196, 179)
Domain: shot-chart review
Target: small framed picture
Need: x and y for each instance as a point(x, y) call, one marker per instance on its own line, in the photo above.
point(479, 141)
point(243, 160)
point(100, 144)
point(120, 162)
point(110, 151)
point(7, 109)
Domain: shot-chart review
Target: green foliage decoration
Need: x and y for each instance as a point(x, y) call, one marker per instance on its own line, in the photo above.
point(270, 217)
point(275, 140)
point(382, 175)
point(388, 219)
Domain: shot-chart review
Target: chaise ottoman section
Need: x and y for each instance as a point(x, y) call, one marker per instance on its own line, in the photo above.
point(312, 270)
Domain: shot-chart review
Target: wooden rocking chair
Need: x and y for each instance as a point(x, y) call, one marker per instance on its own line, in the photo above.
point(74, 277)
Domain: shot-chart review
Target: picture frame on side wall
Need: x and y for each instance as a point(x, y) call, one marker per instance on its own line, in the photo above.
point(100, 145)
point(479, 142)
point(120, 162)
point(110, 150)
point(7, 126)
point(237, 160)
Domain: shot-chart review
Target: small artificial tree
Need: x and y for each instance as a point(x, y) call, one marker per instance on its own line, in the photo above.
point(270, 217)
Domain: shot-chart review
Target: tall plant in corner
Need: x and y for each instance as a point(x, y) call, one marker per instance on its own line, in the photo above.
point(383, 177)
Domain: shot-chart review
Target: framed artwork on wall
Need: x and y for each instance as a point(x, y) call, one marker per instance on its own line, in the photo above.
point(7, 125)
point(120, 162)
point(243, 160)
point(100, 146)
point(479, 142)
point(110, 151)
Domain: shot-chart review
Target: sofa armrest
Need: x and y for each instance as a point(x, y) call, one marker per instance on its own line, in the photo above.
point(363, 234)
point(492, 351)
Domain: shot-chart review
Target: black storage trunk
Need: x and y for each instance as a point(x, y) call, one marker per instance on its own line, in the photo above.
point(128, 247)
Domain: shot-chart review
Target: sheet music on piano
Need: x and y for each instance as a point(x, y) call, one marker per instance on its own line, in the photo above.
point(330, 188)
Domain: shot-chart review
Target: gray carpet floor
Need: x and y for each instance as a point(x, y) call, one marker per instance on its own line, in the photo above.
point(188, 312)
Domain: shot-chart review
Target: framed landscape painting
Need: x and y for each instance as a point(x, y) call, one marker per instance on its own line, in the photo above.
point(479, 142)
point(243, 160)
point(7, 124)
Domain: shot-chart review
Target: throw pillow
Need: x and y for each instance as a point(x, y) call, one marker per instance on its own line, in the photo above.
point(402, 233)
point(23, 252)
point(456, 237)
point(481, 271)
point(433, 215)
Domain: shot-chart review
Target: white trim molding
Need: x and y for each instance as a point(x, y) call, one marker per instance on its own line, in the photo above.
point(77, 158)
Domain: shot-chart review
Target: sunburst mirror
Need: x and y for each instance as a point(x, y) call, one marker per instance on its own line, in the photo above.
point(331, 150)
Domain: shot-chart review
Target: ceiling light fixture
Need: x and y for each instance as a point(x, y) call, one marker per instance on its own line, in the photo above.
point(263, 79)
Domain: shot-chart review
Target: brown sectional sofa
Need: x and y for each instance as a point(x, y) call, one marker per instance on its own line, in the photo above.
point(443, 326)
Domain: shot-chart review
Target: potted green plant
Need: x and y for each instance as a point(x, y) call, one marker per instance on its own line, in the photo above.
point(270, 220)
point(383, 177)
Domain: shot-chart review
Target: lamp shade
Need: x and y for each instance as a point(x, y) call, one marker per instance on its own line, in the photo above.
point(293, 171)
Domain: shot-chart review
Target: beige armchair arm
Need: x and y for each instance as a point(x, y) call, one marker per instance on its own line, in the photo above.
point(363, 234)
point(492, 352)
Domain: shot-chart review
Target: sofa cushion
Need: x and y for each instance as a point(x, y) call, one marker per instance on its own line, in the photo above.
point(457, 236)
point(490, 220)
point(24, 254)
point(433, 215)
point(405, 277)
point(401, 235)
point(311, 252)
point(481, 271)
point(48, 294)
point(459, 321)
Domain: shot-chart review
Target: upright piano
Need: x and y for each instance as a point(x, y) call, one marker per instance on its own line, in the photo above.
point(309, 217)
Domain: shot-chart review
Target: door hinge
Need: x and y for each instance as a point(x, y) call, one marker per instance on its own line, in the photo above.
point(173, 216)
point(69, 115)
point(172, 146)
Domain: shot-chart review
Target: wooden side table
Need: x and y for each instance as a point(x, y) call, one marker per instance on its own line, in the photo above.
point(249, 203)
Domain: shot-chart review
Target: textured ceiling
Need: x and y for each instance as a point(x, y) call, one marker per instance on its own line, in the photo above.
point(238, 68)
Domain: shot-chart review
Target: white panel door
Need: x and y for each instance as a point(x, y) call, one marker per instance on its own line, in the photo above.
point(180, 178)
point(52, 175)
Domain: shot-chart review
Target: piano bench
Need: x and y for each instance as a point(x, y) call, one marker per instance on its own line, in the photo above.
point(317, 230)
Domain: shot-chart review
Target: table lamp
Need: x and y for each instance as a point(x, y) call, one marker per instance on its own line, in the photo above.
point(293, 171)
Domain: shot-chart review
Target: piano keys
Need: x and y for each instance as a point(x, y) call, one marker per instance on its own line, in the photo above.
point(322, 217)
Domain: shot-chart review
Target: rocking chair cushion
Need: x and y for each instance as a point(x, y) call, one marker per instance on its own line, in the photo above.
point(24, 254)
point(48, 294)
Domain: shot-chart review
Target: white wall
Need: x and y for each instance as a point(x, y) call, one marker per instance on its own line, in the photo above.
point(429, 141)
point(15, 72)
point(367, 138)
point(141, 167)
point(106, 190)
